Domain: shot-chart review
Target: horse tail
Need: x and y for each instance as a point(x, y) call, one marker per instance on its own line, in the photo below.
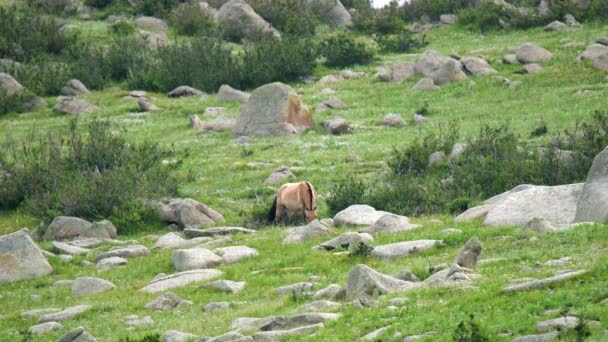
point(273, 211)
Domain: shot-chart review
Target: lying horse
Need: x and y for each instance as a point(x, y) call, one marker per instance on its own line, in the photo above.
point(295, 199)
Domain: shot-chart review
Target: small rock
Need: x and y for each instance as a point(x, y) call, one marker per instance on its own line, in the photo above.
point(532, 68)
point(90, 285)
point(45, 328)
point(146, 106)
point(227, 93)
point(450, 231)
point(74, 88)
point(178, 336)
point(279, 175)
point(393, 120)
point(333, 292)
point(194, 258)
point(70, 105)
point(235, 253)
point(319, 306)
point(425, 84)
point(561, 323)
point(437, 158)
point(185, 91)
point(64, 315)
point(297, 289)
point(111, 262)
point(135, 321)
point(421, 119)
point(213, 306)
point(336, 126)
point(226, 286)
point(163, 302)
point(556, 26)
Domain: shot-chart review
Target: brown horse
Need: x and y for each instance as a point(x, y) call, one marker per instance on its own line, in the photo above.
point(294, 199)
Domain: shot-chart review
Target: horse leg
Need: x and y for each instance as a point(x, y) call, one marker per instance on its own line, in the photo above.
point(279, 213)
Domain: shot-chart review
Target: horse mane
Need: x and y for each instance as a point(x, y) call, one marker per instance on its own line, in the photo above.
point(311, 193)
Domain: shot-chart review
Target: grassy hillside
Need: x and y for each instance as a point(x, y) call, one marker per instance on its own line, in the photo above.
point(218, 175)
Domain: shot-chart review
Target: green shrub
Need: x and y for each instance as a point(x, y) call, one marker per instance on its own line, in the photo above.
point(485, 17)
point(56, 7)
point(99, 3)
point(469, 332)
point(291, 17)
point(93, 174)
point(345, 193)
point(414, 9)
point(26, 35)
point(190, 19)
point(403, 41)
point(156, 8)
point(43, 78)
point(343, 50)
point(382, 21)
point(598, 9)
point(122, 28)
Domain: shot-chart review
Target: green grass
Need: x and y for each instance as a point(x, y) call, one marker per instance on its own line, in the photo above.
point(221, 179)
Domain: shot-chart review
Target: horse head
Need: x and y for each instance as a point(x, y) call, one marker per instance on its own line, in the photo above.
point(310, 209)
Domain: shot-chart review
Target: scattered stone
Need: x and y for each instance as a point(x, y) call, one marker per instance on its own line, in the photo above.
point(110, 262)
point(393, 120)
point(602, 40)
point(358, 215)
point(65, 282)
point(174, 240)
point(318, 306)
point(469, 254)
point(136, 321)
point(215, 111)
point(164, 302)
point(211, 232)
point(146, 106)
point(556, 26)
point(561, 323)
point(558, 262)
point(185, 91)
point(238, 20)
point(336, 126)
point(35, 298)
point(448, 19)
point(477, 66)
point(327, 91)
point(346, 240)
point(227, 93)
point(311, 231)
point(70, 105)
point(180, 279)
point(532, 68)
point(398, 301)
point(333, 103)
point(333, 292)
point(74, 88)
point(421, 119)
point(374, 335)
point(458, 150)
point(510, 59)
point(213, 306)
point(219, 124)
point(530, 53)
point(90, 285)
point(329, 79)
point(571, 21)
point(61, 247)
point(20, 258)
point(65, 258)
point(235, 253)
point(85, 242)
point(45, 328)
point(364, 281)
point(396, 250)
point(349, 74)
point(273, 109)
point(425, 84)
point(450, 231)
point(543, 282)
point(131, 251)
point(437, 158)
point(592, 52)
point(10, 87)
point(297, 289)
point(177, 336)
point(64, 315)
point(154, 40)
point(38, 312)
point(593, 202)
point(194, 258)
point(538, 338)
point(402, 71)
point(390, 223)
point(419, 337)
point(77, 335)
point(188, 213)
point(407, 275)
point(64, 227)
point(226, 286)
point(151, 24)
point(231, 337)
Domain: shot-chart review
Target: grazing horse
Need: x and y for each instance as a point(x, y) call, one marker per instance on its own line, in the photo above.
point(295, 199)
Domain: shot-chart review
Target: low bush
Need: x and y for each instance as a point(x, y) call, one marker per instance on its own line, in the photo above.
point(414, 9)
point(93, 174)
point(25, 35)
point(344, 49)
point(43, 78)
point(191, 19)
point(403, 41)
point(291, 17)
point(345, 193)
point(122, 28)
point(380, 21)
point(156, 8)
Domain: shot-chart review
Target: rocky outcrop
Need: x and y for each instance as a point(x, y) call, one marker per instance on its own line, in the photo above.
point(188, 213)
point(311, 231)
point(20, 258)
point(593, 202)
point(365, 282)
point(66, 227)
point(273, 109)
point(238, 20)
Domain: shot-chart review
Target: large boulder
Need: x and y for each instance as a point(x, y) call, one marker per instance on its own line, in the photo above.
point(358, 215)
point(553, 203)
point(66, 227)
point(365, 282)
point(335, 14)
point(9, 87)
point(449, 71)
point(530, 53)
point(238, 20)
point(188, 213)
point(70, 105)
point(151, 24)
point(593, 202)
point(273, 109)
point(20, 258)
point(398, 72)
point(74, 88)
point(592, 52)
point(429, 62)
point(601, 63)
point(194, 258)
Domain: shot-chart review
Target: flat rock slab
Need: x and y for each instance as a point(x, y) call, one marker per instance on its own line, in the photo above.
point(111, 262)
point(90, 285)
point(374, 335)
point(396, 250)
point(211, 232)
point(38, 312)
point(311, 231)
point(178, 336)
point(544, 282)
point(124, 252)
point(235, 253)
point(364, 282)
point(231, 336)
point(180, 279)
point(45, 328)
point(226, 286)
point(194, 258)
point(538, 338)
point(85, 242)
point(333, 291)
point(278, 335)
point(296, 289)
point(61, 247)
point(163, 302)
point(319, 306)
point(358, 215)
point(346, 240)
point(560, 323)
point(174, 240)
point(298, 320)
point(390, 223)
point(64, 315)
point(20, 258)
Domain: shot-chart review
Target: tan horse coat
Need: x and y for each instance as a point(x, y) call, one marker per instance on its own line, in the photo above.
point(294, 199)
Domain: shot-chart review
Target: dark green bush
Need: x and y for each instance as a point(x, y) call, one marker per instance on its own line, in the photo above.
point(56, 7)
point(291, 17)
point(190, 19)
point(122, 28)
point(485, 17)
point(98, 3)
point(93, 174)
point(403, 41)
point(414, 9)
point(598, 9)
point(469, 332)
point(43, 78)
point(343, 50)
point(345, 193)
point(25, 35)
point(382, 21)
point(156, 8)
